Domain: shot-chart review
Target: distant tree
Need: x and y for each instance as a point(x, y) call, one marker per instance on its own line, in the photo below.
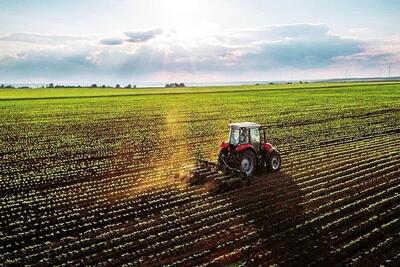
point(271, 83)
point(117, 86)
point(134, 86)
point(174, 85)
point(94, 85)
point(128, 86)
point(2, 86)
point(300, 82)
point(9, 86)
point(51, 85)
point(103, 86)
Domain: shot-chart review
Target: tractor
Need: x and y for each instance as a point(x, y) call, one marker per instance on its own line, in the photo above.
point(246, 151)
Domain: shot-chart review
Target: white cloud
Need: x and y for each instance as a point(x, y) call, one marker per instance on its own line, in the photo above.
point(112, 41)
point(40, 38)
point(142, 36)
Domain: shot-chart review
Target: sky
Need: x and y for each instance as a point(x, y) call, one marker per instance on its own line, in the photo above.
point(160, 41)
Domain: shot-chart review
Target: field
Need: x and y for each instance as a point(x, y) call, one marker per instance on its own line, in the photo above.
point(88, 176)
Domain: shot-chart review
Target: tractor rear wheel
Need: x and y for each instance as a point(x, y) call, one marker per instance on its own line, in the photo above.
point(247, 162)
point(274, 161)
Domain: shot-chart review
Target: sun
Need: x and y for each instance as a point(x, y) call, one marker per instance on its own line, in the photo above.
point(179, 7)
point(181, 13)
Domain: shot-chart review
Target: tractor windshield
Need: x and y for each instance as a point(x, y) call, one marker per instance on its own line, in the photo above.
point(237, 136)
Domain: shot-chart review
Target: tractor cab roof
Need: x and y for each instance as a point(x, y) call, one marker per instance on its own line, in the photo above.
point(247, 125)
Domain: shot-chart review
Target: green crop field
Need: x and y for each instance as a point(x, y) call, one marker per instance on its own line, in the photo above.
point(89, 176)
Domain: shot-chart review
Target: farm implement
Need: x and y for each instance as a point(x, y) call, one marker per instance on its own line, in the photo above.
point(246, 151)
point(216, 177)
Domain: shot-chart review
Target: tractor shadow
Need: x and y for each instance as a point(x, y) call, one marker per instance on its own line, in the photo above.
point(272, 206)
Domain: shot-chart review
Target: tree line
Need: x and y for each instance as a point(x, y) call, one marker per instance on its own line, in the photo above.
point(51, 85)
point(174, 85)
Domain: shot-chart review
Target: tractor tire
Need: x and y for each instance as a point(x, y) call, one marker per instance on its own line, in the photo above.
point(247, 162)
point(274, 161)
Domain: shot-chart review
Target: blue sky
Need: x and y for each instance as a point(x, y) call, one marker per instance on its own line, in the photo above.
point(200, 40)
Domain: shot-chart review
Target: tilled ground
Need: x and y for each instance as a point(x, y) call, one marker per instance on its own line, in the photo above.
point(102, 188)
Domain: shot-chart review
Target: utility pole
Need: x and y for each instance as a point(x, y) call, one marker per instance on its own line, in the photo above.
point(389, 69)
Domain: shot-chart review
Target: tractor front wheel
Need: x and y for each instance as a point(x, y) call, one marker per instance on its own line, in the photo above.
point(274, 161)
point(247, 162)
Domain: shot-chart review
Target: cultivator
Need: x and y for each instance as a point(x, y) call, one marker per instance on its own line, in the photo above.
point(217, 177)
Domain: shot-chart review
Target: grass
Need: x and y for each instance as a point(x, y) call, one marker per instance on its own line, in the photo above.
point(43, 93)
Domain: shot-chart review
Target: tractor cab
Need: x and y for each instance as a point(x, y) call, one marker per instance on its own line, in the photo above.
point(246, 133)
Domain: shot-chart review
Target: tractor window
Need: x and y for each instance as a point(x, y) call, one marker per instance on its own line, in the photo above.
point(243, 137)
point(254, 136)
point(238, 136)
point(234, 138)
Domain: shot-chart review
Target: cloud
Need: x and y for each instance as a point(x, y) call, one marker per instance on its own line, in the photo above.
point(268, 49)
point(142, 36)
point(275, 33)
point(302, 53)
point(139, 36)
point(40, 38)
point(52, 64)
point(112, 41)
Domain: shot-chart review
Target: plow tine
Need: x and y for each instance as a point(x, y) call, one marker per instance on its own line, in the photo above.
point(216, 177)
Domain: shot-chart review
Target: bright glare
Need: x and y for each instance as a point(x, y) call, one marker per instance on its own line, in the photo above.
point(181, 13)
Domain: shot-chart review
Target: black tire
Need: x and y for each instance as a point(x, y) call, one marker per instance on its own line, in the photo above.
point(274, 161)
point(247, 162)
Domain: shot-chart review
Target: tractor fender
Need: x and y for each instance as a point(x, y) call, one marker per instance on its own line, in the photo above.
point(267, 147)
point(267, 154)
point(224, 145)
point(244, 147)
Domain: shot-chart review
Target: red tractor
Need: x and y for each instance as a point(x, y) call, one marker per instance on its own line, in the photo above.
point(248, 149)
